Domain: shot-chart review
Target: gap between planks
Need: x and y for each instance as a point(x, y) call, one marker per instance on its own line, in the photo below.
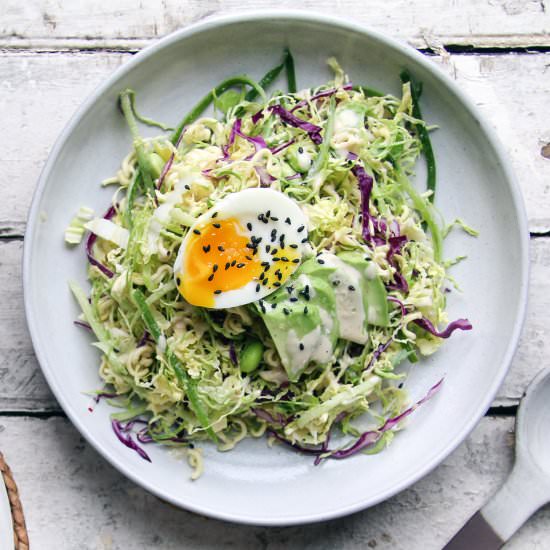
point(132, 46)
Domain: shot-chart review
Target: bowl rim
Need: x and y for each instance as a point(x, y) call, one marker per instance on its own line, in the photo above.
point(408, 52)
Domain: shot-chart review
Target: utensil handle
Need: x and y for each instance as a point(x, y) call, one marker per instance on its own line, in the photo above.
point(488, 529)
point(522, 494)
point(476, 534)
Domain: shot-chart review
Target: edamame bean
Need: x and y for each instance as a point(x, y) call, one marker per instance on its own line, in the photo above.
point(250, 356)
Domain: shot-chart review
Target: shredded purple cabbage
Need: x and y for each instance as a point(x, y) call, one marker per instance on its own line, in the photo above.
point(372, 436)
point(459, 324)
point(399, 303)
point(324, 93)
point(378, 352)
point(83, 324)
point(281, 147)
point(233, 354)
point(364, 440)
point(104, 395)
point(92, 238)
point(127, 440)
point(257, 116)
point(143, 340)
point(258, 141)
point(265, 177)
point(264, 415)
point(287, 117)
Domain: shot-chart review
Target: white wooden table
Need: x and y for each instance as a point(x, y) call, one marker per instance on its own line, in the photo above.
point(52, 54)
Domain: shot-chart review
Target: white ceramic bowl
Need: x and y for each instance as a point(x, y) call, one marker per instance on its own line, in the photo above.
point(255, 484)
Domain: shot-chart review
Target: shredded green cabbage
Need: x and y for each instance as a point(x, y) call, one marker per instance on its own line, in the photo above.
point(380, 131)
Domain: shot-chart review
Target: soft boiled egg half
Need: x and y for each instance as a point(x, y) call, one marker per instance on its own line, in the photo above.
point(245, 247)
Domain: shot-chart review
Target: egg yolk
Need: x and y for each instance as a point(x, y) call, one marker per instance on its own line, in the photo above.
point(219, 257)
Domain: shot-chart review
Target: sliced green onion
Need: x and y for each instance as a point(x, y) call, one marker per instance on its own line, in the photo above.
point(181, 374)
point(425, 208)
point(423, 134)
point(199, 108)
point(290, 72)
point(144, 119)
point(142, 158)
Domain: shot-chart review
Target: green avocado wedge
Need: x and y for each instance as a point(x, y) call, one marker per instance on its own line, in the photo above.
point(328, 298)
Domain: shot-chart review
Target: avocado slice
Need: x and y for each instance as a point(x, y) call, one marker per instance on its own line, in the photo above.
point(329, 297)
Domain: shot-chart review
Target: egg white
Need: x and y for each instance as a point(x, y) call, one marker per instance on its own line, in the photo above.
point(250, 206)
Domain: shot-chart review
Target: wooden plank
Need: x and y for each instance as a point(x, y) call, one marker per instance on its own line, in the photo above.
point(510, 90)
point(469, 22)
point(22, 386)
point(73, 486)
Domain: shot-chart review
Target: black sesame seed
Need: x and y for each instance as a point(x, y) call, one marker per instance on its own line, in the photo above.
point(275, 259)
point(273, 252)
point(221, 248)
point(262, 275)
point(227, 266)
point(274, 219)
point(215, 268)
point(279, 276)
point(265, 220)
point(233, 263)
point(290, 288)
point(178, 281)
point(267, 247)
point(216, 225)
point(293, 246)
point(301, 228)
point(277, 283)
point(261, 217)
point(293, 299)
point(284, 259)
point(321, 261)
point(258, 287)
point(214, 215)
point(268, 213)
point(351, 287)
point(217, 291)
point(265, 264)
point(249, 258)
point(196, 231)
point(187, 187)
point(240, 265)
point(305, 310)
point(264, 282)
point(300, 150)
point(301, 346)
point(304, 240)
point(206, 248)
point(250, 245)
point(262, 307)
point(211, 277)
point(273, 306)
point(287, 221)
point(336, 282)
point(296, 261)
point(285, 311)
point(249, 226)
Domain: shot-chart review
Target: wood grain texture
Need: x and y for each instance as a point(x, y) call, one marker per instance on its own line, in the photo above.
point(22, 386)
point(509, 89)
point(493, 23)
point(74, 499)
